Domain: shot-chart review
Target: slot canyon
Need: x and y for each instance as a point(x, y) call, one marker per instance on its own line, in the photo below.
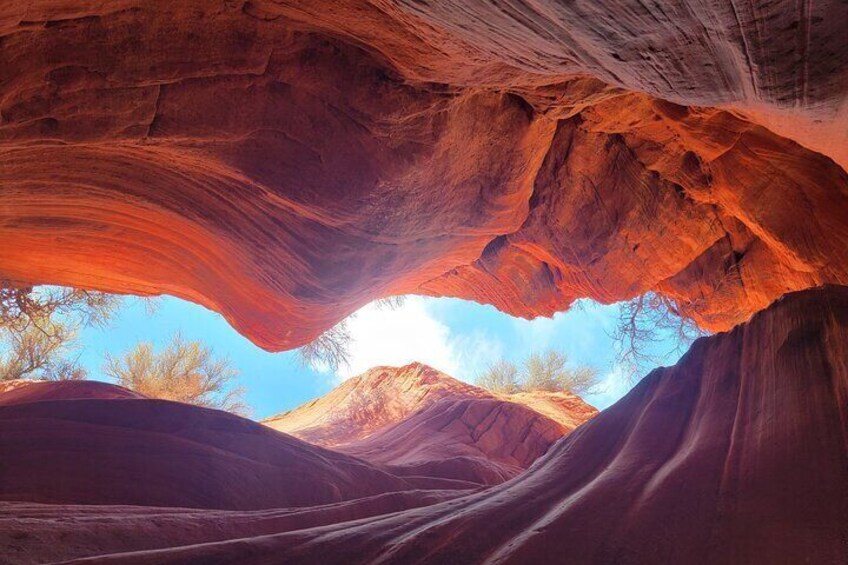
point(285, 163)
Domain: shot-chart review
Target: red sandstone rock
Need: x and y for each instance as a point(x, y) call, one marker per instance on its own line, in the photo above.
point(119, 448)
point(565, 408)
point(22, 391)
point(415, 420)
point(385, 396)
point(480, 440)
point(286, 162)
point(736, 454)
point(46, 533)
point(376, 399)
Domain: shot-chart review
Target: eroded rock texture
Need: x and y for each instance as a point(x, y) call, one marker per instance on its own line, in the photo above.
point(417, 421)
point(368, 403)
point(81, 442)
point(286, 162)
point(736, 454)
point(94, 452)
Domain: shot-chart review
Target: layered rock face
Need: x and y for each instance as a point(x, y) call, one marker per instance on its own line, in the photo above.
point(480, 440)
point(94, 443)
point(737, 454)
point(286, 162)
point(417, 421)
point(22, 391)
point(370, 402)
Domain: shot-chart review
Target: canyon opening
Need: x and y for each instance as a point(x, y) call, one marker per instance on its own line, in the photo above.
point(424, 282)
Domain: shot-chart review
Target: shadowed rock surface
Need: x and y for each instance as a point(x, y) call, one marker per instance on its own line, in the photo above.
point(737, 454)
point(77, 443)
point(286, 162)
point(93, 443)
point(21, 391)
point(482, 440)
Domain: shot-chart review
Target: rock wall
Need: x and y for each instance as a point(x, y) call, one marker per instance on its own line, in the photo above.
point(365, 404)
point(284, 163)
point(82, 442)
point(737, 454)
point(417, 421)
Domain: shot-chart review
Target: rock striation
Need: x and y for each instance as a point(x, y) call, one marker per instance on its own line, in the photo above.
point(372, 401)
point(415, 420)
point(480, 440)
point(737, 454)
point(286, 162)
point(83, 442)
point(22, 391)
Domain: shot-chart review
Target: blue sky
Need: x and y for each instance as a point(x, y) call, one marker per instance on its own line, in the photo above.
point(458, 337)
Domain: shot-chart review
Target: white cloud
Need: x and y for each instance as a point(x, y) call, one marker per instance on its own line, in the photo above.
point(416, 332)
point(612, 387)
point(474, 353)
point(581, 326)
point(412, 333)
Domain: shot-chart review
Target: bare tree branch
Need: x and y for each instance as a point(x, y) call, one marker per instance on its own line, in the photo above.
point(330, 350)
point(646, 322)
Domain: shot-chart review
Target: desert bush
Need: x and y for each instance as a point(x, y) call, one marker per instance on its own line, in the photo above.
point(500, 376)
point(184, 371)
point(38, 328)
point(548, 371)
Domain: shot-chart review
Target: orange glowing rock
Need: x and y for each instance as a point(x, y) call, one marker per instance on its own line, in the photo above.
point(417, 421)
point(284, 163)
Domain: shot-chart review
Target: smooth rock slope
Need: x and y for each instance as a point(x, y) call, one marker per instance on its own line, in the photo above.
point(416, 420)
point(95, 443)
point(737, 455)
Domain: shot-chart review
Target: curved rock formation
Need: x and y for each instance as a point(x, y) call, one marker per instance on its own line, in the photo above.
point(480, 440)
point(367, 403)
point(383, 397)
point(285, 162)
point(47, 533)
point(86, 442)
point(737, 454)
point(22, 391)
point(120, 448)
point(417, 421)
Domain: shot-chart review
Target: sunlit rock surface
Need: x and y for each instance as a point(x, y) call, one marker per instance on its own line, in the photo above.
point(286, 162)
point(415, 420)
point(367, 403)
point(736, 454)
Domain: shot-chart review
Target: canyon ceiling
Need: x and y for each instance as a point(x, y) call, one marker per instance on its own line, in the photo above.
point(284, 163)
